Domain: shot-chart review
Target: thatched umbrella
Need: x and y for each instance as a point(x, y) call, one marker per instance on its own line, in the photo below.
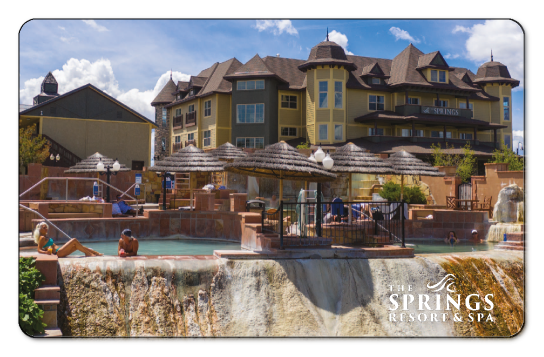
point(405, 163)
point(228, 152)
point(351, 158)
point(187, 160)
point(280, 161)
point(89, 165)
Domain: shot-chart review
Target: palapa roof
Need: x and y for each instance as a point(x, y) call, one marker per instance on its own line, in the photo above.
point(188, 159)
point(405, 163)
point(351, 158)
point(227, 151)
point(89, 164)
point(280, 160)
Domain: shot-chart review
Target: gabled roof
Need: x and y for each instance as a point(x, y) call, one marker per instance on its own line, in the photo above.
point(90, 86)
point(198, 81)
point(287, 70)
point(183, 86)
point(373, 70)
point(217, 81)
point(432, 60)
point(254, 68)
point(166, 95)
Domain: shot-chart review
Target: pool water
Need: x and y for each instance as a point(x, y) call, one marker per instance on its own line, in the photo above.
point(165, 247)
point(429, 246)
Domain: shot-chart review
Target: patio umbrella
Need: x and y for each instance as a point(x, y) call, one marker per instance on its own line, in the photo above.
point(89, 164)
point(280, 161)
point(187, 160)
point(405, 163)
point(228, 152)
point(351, 158)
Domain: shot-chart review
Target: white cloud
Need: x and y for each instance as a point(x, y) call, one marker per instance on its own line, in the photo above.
point(276, 26)
point(449, 55)
point(340, 39)
point(505, 38)
point(76, 73)
point(518, 138)
point(402, 35)
point(62, 28)
point(68, 39)
point(95, 26)
point(459, 28)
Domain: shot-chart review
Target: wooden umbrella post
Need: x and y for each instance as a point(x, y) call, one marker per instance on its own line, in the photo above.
point(349, 197)
point(281, 186)
point(401, 187)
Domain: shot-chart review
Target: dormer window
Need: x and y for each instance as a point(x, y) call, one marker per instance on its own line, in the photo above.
point(191, 92)
point(438, 76)
point(376, 81)
point(250, 85)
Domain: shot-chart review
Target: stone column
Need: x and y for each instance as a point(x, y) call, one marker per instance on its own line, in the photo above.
point(205, 202)
point(238, 202)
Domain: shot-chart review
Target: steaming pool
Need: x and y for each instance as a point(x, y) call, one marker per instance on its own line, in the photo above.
point(165, 247)
point(430, 246)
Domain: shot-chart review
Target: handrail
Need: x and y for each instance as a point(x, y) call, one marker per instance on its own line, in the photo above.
point(45, 219)
point(81, 179)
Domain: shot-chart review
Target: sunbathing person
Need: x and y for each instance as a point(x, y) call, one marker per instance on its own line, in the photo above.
point(125, 209)
point(47, 246)
point(128, 245)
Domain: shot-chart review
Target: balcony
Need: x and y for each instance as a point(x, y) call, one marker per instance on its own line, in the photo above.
point(190, 119)
point(410, 109)
point(176, 147)
point(178, 122)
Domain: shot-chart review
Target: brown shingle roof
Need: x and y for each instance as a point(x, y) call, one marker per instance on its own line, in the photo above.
point(183, 86)
point(217, 81)
point(327, 52)
point(494, 72)
point(254, 68)
point(287, 69)
point(166, 95)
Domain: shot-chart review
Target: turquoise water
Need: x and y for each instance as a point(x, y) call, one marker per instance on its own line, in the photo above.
point(428, 246)
point(165, 247)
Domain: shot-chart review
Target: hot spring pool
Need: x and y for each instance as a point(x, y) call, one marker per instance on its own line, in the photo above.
point(165, 247)
point(429, 246)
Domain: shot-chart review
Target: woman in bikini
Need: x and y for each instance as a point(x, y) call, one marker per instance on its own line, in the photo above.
point(47, 246)
point(451, 238)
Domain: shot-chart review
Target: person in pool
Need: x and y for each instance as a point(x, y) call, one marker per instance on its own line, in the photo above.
point(128, 245)
point(451, 239)
point(47, 246)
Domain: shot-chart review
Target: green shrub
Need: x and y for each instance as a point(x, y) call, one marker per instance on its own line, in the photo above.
point(412, 195)
point(466, 163)
point(30, 314)
point(303, 146)
point(506, 155)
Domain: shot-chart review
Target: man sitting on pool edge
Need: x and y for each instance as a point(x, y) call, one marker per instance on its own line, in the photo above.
point(128, 245)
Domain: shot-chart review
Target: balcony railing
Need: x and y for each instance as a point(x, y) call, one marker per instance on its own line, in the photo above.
point(176, 147)
point(190, 119)
point(178, 122)
point(189, 142)
point(410, 109)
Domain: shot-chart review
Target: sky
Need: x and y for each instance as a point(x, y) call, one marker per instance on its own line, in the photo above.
point(132, 59)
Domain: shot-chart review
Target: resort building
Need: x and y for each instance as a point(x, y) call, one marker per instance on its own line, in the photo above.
point(408, 102)
point(87, 120)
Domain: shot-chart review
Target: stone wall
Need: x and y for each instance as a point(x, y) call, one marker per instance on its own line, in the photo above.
point(163, 131)
point(496, 178)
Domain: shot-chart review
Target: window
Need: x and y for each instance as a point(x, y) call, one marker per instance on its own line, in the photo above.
point(338, 95)
point(506, 107)
point(177, 139)
point(375, 81)
point(207, 108)
point(163, 116)
point(191, 92)
point(408, 132)
point(440, 134)
point(163, 144)
point(465, 136)
point(507, 141)
point(338, 133)
point(207, 138)
point(250, 85)
point(464, 106)
point(378, 132)
point(191, 108)
point(323, 132)
point(414, 101)
point(288, 131)
point(441, 103)
point(190, 136)
point(250, 143)
point(250, 113)
point(438, 76)
point(289, 101)
point(178, 112)
point(376, 102)
point(323, 94)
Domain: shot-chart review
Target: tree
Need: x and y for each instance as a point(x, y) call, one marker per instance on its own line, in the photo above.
point(465, 163)
point(412, 195)
point(505, 155)
point(32, 148)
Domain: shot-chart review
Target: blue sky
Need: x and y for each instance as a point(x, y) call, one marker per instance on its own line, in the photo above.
point(131, 59)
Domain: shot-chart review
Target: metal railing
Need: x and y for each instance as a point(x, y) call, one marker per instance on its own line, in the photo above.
point(301, 224)
point(80, 179)
point(45, 219)
point(178, 122)
point(65, 155)
point(190, 119)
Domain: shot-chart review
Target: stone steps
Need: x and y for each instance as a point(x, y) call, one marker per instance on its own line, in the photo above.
point(47, 296)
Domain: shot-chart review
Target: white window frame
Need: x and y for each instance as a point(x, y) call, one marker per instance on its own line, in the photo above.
point(371, 131)
point(289, 128)
point(254, 142)
point(325, 92)
point(376, 102)
point(338, 95)
point(245, 85)
point(341, 132)
point(246, 113)
point(207, 140)
point(207, 108)
point(507, 118)
point(191, 108)
point(288, 101)
point(319, 132)
point(437, 79)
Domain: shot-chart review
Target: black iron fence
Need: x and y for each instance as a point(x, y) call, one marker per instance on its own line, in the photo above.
point(338, 223)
